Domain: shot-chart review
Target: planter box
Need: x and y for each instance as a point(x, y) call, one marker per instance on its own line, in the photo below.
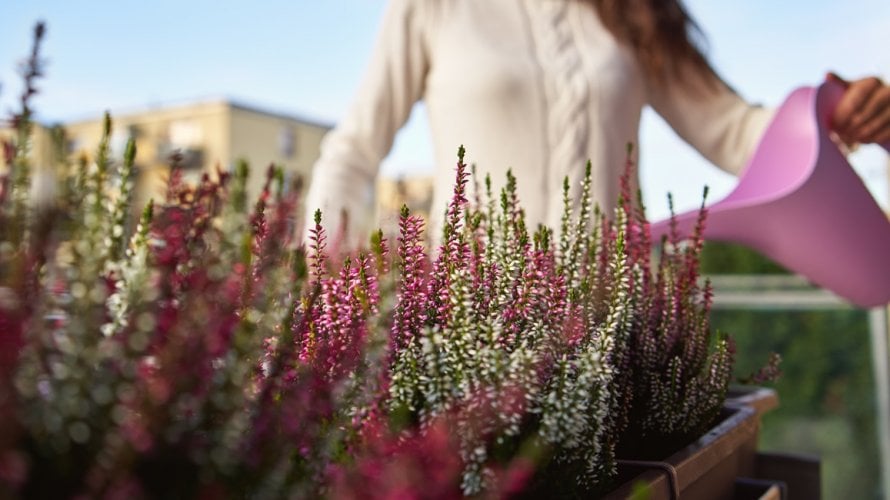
point(800, 473)
point(705, 469)
point(759, 489)
point(761, 399)
point(724, 463)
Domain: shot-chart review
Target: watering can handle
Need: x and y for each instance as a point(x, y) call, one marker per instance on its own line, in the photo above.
point(835, 90)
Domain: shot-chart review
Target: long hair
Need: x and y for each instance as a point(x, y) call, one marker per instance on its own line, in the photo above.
point(663, 37)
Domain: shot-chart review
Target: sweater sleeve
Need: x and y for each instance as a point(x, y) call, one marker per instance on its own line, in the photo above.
point(718, 123)
point(343, 178)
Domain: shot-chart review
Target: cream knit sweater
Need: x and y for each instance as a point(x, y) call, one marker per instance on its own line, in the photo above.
point(536, 86)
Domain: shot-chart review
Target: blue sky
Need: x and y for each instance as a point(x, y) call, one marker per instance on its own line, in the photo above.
point(306, 57)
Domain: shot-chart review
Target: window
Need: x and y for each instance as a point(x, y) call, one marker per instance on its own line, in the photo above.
point(287, 141)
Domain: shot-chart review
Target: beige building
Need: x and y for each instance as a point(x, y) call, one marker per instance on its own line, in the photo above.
point(207, 135)
point(218, 133)
point(414, 191)
point(41, 144)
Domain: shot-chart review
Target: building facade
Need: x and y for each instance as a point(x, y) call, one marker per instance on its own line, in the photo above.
point(217, 134)
point(206, 136)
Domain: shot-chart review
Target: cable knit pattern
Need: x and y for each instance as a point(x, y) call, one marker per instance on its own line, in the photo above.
point(566, 90)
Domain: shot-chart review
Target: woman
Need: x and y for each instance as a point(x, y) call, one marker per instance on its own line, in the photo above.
point(540, 87)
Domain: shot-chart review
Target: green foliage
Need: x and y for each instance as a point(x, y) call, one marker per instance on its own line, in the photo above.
point(729, 258)
point(827, 404)
point(827, 390)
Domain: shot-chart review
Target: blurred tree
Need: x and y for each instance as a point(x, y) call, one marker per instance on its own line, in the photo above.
point(728, 258)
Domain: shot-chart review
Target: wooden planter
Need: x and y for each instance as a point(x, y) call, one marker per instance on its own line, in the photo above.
point(707, 468)
point(798, 474)
point(759, 398)
point(724, 463)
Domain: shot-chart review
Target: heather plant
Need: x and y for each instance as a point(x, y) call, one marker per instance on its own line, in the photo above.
point(610, 350)
point(490, 319)
point(199, 351)
point(184, 356)
point(676, 372)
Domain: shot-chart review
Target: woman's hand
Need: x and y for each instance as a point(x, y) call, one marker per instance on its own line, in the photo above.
point(863, 113)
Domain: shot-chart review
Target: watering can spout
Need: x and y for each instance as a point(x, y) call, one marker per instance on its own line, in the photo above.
point(800, 203)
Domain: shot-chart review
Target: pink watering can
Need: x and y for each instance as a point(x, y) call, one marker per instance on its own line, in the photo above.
point(800, 203)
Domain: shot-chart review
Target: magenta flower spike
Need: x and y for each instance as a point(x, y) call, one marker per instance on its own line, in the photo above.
point(411, 307)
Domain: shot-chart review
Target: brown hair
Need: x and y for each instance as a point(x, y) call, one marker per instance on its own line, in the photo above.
point(663, 37)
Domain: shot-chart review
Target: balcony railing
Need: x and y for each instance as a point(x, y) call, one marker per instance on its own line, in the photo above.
point(795, 293)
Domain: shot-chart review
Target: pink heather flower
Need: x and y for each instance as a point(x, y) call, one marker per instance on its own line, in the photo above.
point(364, 287)
point(411, 306)
point(317, 254)
point(341, 328)
point(380, 249)
point(411, 465)
point(454, 250)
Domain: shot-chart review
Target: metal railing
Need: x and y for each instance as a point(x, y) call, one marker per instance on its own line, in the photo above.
point(791, 292)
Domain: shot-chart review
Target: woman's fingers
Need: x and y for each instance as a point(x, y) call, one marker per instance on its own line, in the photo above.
point(863, 113)
point(874, 103)
point(875, 117)
point(882, 133)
